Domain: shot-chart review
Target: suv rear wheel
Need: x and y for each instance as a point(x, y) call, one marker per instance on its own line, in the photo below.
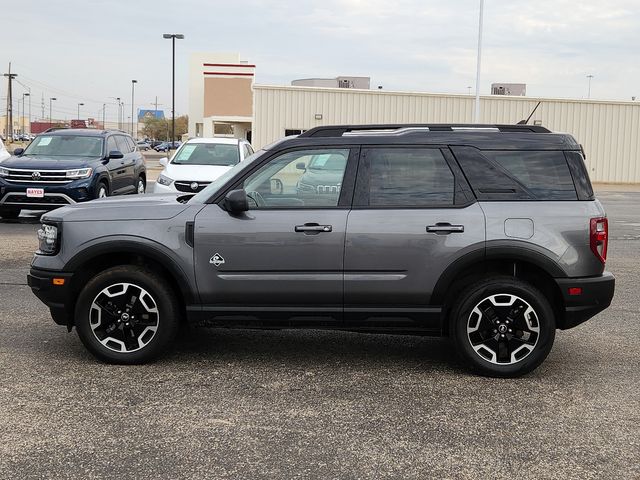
point(127, 315)
point(503, 327)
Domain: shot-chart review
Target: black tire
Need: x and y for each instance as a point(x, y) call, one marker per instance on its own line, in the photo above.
point(162, 298)
point(496, 354)
point(144, 185)
point(102, 185)
point(10, 213)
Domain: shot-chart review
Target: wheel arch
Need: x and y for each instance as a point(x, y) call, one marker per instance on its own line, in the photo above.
point(518, 262)
point(111, 253)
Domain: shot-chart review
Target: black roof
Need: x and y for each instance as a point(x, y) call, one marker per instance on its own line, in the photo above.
point(88, 132)
point(488, 137)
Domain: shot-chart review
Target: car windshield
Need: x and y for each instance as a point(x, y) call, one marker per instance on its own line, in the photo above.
point(219, 182)
point(207, 154)
point(65, 146)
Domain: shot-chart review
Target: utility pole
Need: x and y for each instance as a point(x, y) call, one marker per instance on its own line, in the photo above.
point(42, 106)
point(10, 76)
point(133, 85)
point(104, 109)
point(589, 88)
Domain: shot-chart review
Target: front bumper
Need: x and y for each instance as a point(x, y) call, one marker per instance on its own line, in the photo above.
point(57, 297)
point(14, 194)
point(596, 295)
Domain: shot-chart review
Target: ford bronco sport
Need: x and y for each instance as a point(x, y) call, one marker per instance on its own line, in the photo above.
point(487, 234)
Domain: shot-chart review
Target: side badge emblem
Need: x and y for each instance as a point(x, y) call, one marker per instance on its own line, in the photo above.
point(217, 260)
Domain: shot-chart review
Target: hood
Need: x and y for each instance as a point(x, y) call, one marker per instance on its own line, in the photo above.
point(48, 163)
point(135, 207)
point(194, 173)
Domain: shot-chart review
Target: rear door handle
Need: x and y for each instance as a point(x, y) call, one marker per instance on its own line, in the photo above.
point(313, 227)
point(445, 228)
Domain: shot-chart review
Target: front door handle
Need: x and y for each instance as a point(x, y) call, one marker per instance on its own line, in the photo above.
point(445, 228)
point(313, 228)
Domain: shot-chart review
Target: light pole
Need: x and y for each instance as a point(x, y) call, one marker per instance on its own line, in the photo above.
point(133, 85)
point(173, 37)
point(104, 109)
point(476, 111)
point(51, 99)
point(29, 95)
point(589, 88)
point(24, 95)
point(79, 105)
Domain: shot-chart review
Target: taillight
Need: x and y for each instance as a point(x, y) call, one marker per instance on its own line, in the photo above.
point(599, 237)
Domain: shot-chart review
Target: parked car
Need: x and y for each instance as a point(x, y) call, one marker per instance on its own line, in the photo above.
point(200, 161)
point(68, 166)
point(491, 236)
point(4, 154)
point(166, 146)
point(154, 143)
point(143, 145)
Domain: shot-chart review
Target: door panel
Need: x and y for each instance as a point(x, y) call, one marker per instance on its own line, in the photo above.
point(391, 259)
point(410, 220)
point(266, 262)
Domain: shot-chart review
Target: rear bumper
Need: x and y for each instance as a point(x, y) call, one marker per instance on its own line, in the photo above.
point(597, 293)
point(56, 297)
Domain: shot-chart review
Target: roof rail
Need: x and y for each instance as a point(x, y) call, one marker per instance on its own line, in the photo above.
point(396, 129)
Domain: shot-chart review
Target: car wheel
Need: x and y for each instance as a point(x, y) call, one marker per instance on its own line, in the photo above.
point(140, 186)
point(127, 315)
point(103, 191)
point(503, 327)
point(10, 213)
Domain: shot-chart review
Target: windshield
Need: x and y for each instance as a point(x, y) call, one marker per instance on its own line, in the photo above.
point(207, 154)
point(219, 182)
point(65, 146)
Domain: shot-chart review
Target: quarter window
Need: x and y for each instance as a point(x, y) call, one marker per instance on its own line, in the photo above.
point(418, 177)
point(303, 178)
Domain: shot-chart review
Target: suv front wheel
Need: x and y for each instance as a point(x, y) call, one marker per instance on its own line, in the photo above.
point(127, 315)
point(503, 327)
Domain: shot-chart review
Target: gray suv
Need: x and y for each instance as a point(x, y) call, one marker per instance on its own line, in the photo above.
point(490, 235)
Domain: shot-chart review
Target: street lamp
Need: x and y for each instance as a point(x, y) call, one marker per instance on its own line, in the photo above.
point(51, 99)
point(173, 37)
point(79, 105)
point(589, 89)
point(133, 84)
point(476, 111)
point(26, 95)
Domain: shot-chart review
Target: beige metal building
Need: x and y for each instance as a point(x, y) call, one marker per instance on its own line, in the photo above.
point(608, 130)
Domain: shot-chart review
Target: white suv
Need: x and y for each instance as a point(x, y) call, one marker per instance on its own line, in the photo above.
point(3, 152)
point(198, 162)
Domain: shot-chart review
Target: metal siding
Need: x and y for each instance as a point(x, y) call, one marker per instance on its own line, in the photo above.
point(608, 130)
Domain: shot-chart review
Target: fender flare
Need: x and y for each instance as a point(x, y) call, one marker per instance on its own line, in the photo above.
point(138, 246)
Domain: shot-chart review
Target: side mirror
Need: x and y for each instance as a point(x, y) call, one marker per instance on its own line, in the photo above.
point(301, 166)
point(236, 201)
point(164, 161)
point(18, 151)
point(115, 154)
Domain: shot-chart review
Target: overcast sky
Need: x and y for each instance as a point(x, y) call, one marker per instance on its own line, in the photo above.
point(88, 51)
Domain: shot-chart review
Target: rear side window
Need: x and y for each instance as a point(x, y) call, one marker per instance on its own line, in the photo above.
point(545, 174)
point(416, 177)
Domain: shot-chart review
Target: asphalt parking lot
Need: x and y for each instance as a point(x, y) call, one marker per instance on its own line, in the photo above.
point(312, 404)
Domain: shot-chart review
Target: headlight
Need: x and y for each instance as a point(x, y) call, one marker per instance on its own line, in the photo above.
point(80, 173)
point(166, 181)
point(4, 172)
point(48, 240)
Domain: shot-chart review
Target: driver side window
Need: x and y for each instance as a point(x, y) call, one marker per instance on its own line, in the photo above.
point(299, 179)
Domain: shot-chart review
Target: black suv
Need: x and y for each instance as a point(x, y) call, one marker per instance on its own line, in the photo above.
point(67, 166)
point(488, 234)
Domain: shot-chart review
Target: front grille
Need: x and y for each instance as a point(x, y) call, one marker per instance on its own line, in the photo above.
point(51, 177)
point(185, 186)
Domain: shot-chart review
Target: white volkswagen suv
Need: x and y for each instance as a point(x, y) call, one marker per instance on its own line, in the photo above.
point(200, 161)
